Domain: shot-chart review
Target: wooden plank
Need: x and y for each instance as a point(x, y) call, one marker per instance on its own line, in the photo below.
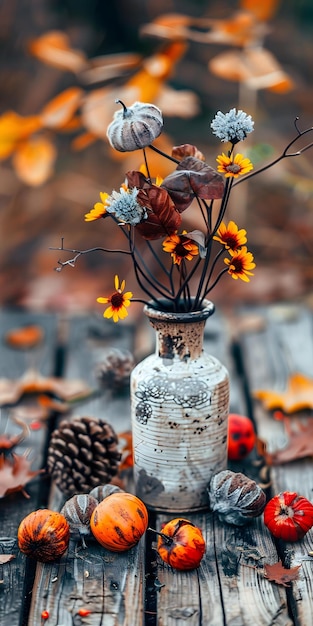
point(89, 341)
point(229, 587)
point(108, 584)
point(14, 590)
point(283, 346)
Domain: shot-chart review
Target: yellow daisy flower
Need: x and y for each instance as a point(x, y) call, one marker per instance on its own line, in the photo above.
point(230, 236)
point(240, 264)
point(99, 209)
point(118, 301)
point(233, 166)
point(180, 247)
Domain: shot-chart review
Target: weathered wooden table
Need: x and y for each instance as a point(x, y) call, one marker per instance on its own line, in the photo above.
point(261, 347)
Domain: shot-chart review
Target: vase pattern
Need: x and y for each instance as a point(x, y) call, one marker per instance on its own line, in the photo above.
point(180, 404)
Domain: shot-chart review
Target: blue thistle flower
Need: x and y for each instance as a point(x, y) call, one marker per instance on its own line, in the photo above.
point(233, 126)
point(124, 206)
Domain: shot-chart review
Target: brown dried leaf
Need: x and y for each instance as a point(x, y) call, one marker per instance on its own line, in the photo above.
point(279, 574)
point(297, 396)
point(163, 219)
point(5, 558)
point(15, 474)
point(187, 149)
point(300, 442)
point(193, 177)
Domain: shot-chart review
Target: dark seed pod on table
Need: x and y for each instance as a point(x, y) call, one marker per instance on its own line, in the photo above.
point(82, 454)
point(135, 127)
point(77, 511)
point(235, 498)
point(114, 370)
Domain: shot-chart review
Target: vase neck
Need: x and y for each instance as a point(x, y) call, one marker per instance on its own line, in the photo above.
point(178, 340)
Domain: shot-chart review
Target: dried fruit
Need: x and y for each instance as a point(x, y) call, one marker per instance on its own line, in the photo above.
point(181, 544)
point(43, 535)
point(103, 491)
point(77, 511)
point(288, 516)
point(235, 498)
point(135, 127)
point(119, 521)
point(241, 436)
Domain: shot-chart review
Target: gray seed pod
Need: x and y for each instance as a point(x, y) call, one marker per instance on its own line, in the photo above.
point(103, 491)
point(235, 498)
point(135, 127)
point(77, 511)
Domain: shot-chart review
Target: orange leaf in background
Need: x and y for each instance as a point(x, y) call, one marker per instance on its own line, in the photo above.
point(54, 48)
point(14, 128)
point(168, 26)
point(25, 337)
point(34, 160)
point(83, 141)
point(257, 68)
point(297, 396)
point(106, 67)
point(277, 573)
point(59, 111)
point(262, 9)
point(15, 474)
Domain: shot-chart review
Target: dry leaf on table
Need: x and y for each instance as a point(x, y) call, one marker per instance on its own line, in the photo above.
point(5, 558)
point(15, 474)
point(277, 573)
point(297, 396)
point(300, 442)
point(32, 382)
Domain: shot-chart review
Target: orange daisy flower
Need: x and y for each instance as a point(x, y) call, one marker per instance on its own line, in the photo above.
point(99, 209)
point(180, 247)
point(240, 264)
point(118, 301)
point(233, 166)
point(230, 237)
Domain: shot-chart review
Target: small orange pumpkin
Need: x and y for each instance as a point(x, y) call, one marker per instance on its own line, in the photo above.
point(43, 535)
point(181, 544)
point(119, 521)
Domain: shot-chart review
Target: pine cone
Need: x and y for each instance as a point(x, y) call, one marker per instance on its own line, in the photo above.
point(114, 370)
point(82, 454)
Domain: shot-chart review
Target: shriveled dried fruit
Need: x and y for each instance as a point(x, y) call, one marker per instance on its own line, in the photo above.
point(235, 498)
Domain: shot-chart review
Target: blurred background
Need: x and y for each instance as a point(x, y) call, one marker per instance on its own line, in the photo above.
point(62, 65)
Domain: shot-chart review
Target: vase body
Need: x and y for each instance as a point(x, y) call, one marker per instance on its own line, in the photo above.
point(179, 407)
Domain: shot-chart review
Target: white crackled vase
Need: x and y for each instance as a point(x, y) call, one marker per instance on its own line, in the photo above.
point(180, 404)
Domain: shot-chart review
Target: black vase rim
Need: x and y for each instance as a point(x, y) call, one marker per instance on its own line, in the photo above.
point(167, 314)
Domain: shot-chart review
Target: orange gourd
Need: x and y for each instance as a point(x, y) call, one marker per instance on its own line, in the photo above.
point(181, 544)
point(119, 521)
point(43, 535)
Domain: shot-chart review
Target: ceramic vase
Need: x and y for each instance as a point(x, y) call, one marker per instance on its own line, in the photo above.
point(179, 407)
